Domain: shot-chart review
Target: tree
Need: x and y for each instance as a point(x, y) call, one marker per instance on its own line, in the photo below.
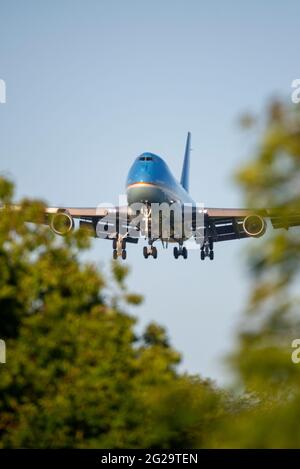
point(77, 374)
point(271, 322)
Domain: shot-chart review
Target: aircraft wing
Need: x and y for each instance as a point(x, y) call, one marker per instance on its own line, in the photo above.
point(220, 224)
point(104, 222)
point(81, 212)
point(224, 224)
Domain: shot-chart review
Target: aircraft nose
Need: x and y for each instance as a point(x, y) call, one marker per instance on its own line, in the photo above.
point(146, 174)
point(144, 192)
point(142, 171)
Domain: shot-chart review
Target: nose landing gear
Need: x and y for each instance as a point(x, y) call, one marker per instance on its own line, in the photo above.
point(119, 247)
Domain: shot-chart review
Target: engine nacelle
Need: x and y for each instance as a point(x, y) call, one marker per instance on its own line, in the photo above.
point(254, 225)
point(62, 223)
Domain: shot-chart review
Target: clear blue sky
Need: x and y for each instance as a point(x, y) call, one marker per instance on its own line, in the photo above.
point(91, 84)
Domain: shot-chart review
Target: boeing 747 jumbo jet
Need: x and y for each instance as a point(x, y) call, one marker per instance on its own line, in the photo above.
point(159, 208)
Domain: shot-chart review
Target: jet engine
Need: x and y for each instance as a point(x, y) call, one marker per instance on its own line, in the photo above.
point(254, 225)
point(62, 223)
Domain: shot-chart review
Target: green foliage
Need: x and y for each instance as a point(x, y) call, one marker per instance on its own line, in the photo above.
point(262, 361)
point(77, 374)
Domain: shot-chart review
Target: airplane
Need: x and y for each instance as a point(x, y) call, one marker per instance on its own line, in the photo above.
point(150, 182)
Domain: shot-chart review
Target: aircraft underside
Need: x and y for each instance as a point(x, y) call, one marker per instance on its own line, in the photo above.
point(205, 226)
point(176, 231)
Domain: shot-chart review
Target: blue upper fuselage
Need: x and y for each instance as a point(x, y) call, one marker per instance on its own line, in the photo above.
point(150, 180)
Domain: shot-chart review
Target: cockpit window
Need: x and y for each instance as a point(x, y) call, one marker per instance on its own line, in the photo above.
point(145, 158)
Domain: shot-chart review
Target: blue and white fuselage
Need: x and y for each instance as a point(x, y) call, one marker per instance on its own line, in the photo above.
point(150, 180)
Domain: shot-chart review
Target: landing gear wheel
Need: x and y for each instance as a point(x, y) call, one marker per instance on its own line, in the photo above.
point(114, 244)
point(184, 253)
point(123, 243)
point(145, 252)
point(154, 252)
point(115, 254)
point(176, 252)
point(207, 250)
point(124, 254)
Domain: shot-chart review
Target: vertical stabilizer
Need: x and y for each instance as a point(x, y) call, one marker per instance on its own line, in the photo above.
point(185, 174)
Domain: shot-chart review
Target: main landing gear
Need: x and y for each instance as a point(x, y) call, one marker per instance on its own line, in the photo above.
point(119, 248)
point(181, 251)
point(207, 250)
point(150, 251)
